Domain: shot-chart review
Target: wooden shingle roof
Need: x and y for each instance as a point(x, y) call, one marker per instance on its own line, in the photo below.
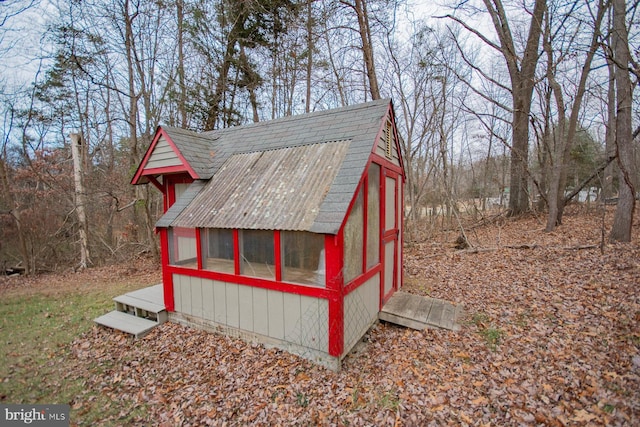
point(295, 173)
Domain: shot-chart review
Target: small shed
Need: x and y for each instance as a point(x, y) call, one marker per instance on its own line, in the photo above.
point(286, 232)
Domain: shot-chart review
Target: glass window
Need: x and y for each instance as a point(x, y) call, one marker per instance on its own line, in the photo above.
point(217, 250)
point(354, 240)
point(257, 254)
point(182, 247)
point(373, 216)
point(303, 257)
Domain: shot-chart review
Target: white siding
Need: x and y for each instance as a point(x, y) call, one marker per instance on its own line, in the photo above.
point(289, 318)
point(360, 311)
point(162, 156)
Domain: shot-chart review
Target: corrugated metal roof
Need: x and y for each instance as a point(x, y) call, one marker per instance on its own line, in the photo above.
point(357, 123)
point(280, 189)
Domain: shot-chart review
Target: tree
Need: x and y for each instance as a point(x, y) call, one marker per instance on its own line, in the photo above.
point(623, 218)
point(563, 144)
point(521, 68)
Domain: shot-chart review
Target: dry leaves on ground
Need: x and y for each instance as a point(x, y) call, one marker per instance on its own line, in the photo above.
point(551, 337)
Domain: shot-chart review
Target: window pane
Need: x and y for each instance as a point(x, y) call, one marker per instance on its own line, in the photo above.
point(217, 250)
point(373, 216)
point(303, 258)
point(354, 240)
point(182, 247)
point(257, 254)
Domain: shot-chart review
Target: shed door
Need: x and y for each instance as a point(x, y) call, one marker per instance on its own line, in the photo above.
point(390, 235)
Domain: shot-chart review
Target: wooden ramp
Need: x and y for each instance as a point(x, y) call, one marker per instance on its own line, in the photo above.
point(418, 312)
point(136, 312)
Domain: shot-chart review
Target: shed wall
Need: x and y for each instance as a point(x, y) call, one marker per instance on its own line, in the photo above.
point(360, 311)
point(292, 318)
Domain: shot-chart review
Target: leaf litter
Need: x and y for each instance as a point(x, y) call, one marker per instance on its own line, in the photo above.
point(550, 337)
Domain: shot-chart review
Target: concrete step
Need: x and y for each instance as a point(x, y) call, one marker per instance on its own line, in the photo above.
point(137, 326)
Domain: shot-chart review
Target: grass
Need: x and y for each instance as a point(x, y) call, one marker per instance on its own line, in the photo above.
point(36, 333)
point(491, 334)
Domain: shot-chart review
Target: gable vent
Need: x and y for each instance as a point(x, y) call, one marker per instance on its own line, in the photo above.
point(389, 151)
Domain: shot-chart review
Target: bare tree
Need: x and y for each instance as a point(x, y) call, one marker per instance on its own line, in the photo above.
point(521, 68)
point(623, 218)
point(567, 128)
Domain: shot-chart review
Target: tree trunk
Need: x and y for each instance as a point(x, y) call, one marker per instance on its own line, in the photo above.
point(77, 149)
point(623, 218)
point(182, 96)
point(310, 45)
point(610, 137)
point(17, 218)
point(575, 110)
point(522, 75)
point(367, 48)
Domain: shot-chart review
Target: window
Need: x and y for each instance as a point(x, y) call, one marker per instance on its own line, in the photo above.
point(373, 216)
point(217, 250)
point(354, 240)
point(257, 255)
point(182, 247)
point(303, 258)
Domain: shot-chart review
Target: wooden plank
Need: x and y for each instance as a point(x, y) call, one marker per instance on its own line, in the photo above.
point(417, 312)
point(128, 323)
point(424, 309)
point(402, 321)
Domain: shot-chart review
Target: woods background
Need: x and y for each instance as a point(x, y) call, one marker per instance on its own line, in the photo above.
point(503, 106)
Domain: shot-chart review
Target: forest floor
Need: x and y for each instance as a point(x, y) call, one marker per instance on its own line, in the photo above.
point(551, 336)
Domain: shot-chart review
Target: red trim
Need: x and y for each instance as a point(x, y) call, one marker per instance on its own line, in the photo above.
point(199, 247)
point(166, 170)
point(170, 185)
point(334, 259)
point(160, 132)
point(167, 277)
point(236, 252)
point(257, 282)
point(277, 256)
point(365, 217)
point(156, 183)
point(360, 280)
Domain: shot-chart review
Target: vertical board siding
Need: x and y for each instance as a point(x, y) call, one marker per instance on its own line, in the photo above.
point(233, 305)
point(208, 305)
point(275, 303)
point(177, 296)
point(360, 311)
point(291, 314)
point(245, 303)
point(292, 318)
point(163, 156)
point(196, 296)
point(219, 302)
point(260, 312)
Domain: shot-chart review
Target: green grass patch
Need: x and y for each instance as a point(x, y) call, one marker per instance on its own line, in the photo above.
point(36, 332)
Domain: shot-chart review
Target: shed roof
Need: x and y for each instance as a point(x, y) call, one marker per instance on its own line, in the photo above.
point(295, 173)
